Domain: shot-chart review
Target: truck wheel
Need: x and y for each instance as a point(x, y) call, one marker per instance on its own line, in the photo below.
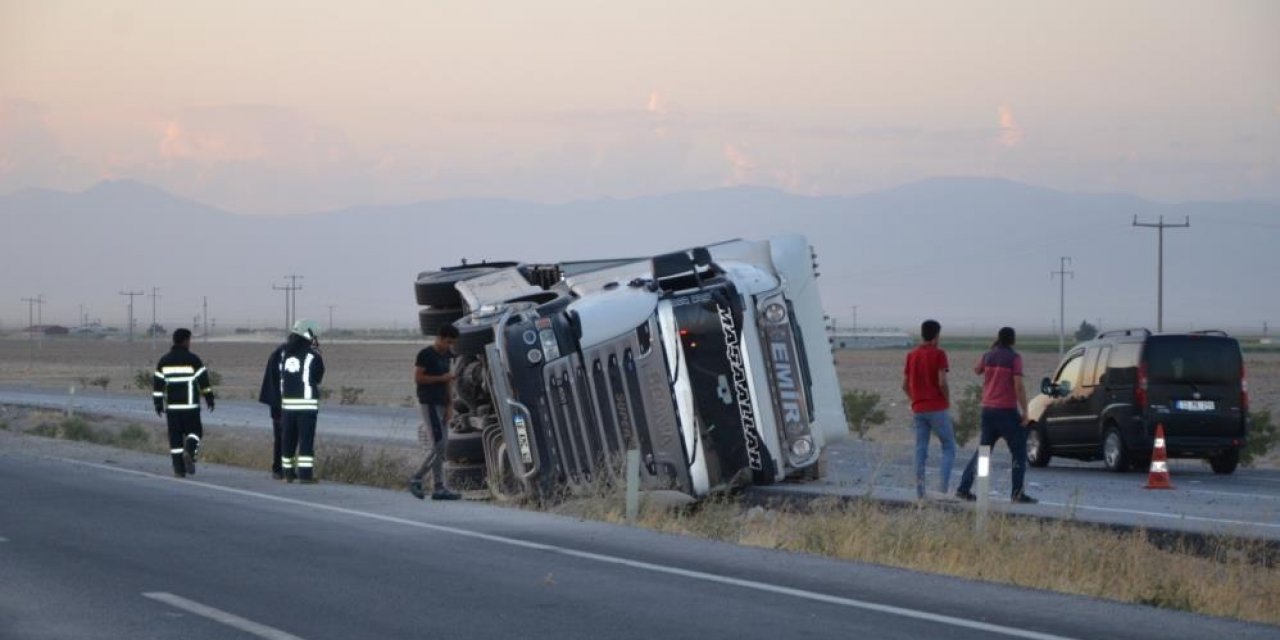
point(1113, 452)
point(431, 319)
point(464, 448)
point(435, 288)
point(1225, 463)
point(475, 330)
point(464, 477)
point(1037, 447)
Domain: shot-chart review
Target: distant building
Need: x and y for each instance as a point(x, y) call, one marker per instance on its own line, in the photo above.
point(889, 339)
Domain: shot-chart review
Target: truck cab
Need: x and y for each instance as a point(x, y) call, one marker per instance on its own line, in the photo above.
point(712, 362)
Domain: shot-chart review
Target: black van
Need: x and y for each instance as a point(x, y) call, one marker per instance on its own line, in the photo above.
point(1108, 394)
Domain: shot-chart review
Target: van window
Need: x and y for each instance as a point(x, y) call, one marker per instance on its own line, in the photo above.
point(1099, 366)
point(1070, 370)
point(1193, 359)
point(1122, 366)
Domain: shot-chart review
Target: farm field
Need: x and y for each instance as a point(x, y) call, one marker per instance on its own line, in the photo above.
point(383, 370)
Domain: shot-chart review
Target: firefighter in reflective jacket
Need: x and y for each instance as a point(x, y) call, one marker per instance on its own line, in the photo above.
point(180, 380)
point(301, 371)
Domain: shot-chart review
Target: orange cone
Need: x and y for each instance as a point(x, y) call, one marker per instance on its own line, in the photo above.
point(1158, 478)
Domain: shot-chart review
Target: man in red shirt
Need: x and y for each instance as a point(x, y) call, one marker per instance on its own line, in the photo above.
point(924, 380)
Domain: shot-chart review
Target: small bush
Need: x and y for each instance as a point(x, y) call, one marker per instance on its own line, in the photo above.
point(144, 380)
point(134, 437)
point(968, 414)
point(350, 395)
point(100, 381)
point(79, 430)
point(215, 378)
point(351, 464)
point(1262, 437)
point(4, 425)
point(862, 409)
point(44, 430)
point(326, 393)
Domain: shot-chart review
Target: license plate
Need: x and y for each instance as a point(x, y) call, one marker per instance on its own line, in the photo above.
point(1194, 405)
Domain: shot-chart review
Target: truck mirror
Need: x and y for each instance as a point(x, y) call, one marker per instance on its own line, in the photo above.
point(1046, 386)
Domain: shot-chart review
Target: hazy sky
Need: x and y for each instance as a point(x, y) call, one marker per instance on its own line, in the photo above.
point(285, 106)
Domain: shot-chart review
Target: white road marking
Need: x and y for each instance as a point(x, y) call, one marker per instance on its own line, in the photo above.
point(1236, 494)
point(1156, 514)
point(635, 564)
point(218, 615)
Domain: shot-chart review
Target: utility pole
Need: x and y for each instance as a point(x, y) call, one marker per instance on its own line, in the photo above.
point(290, 299)
point(155, 295)
point(1062, 274)
point(132, 295)
point(32, 304)
point(205, 316)
point(1160, 227)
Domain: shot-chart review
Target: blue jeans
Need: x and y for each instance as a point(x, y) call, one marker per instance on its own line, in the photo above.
point(997, 424)
point(938, 422)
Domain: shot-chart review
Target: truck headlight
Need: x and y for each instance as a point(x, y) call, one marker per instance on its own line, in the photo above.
point(802, 447)
point(775, 313)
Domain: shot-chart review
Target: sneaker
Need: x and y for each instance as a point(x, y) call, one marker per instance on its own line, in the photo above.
point(967, 496)
point(189, 461)
point(1023, 498)
point(415, 488)
point(290, 476)
point(444, 494)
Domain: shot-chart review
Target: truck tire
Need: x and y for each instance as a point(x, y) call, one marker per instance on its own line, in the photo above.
point(430, 319)
point(464, 477)
point(464, 448)
point(475, 330)
point(435, 288)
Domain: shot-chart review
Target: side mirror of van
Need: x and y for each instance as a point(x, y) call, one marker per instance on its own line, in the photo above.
point(1046, 387)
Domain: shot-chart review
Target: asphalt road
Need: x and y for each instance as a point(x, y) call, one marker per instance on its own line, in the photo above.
point(1246, 503)
point(98, 543)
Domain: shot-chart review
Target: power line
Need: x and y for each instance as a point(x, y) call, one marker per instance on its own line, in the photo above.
point(132, 295)
point(1160, 227)
point(1062, 274)
point(290, 299)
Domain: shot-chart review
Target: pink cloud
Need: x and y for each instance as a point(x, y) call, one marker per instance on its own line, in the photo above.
point(1011, 132)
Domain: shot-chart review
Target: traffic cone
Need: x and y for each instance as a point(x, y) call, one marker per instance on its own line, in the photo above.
point(1158, 478)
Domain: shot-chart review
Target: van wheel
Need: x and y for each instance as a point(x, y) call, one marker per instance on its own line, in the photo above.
point(1113, 452)
point(1037, 447)
point(1225, 463)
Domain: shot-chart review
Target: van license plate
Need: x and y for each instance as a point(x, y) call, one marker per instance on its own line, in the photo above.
point(1194, 405)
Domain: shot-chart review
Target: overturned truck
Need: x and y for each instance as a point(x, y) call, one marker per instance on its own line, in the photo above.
point(713, 362)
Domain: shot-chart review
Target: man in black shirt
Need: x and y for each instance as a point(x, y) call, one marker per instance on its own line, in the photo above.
point(433, 375)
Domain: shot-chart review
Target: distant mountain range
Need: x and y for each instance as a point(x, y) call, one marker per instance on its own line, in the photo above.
point(974, 253)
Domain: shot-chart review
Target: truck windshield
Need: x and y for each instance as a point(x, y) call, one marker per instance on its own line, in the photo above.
point(1193, 359)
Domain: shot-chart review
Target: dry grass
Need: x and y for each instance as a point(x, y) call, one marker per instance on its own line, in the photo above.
point(1054, 555)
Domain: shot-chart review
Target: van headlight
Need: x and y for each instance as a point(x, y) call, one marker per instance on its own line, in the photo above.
point(775, 313)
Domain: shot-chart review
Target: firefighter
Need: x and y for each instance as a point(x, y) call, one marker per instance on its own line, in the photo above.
point(269, 395)
point(301, 371)
point(180, 380)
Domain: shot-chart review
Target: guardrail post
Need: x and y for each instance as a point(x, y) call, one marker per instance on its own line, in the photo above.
point(71, 402)
point(633, 485)
point(984, 488)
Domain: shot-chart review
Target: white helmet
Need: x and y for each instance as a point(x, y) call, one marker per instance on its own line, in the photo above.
point(306, 328)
